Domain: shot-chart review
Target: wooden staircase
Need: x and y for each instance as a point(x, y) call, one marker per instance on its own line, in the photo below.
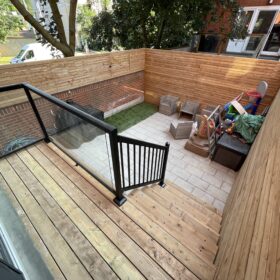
point(181, 232)
point(80, 233)
point(193, 224)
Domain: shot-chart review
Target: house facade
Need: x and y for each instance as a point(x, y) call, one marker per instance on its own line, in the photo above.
point(263, 19)
point(263, 22)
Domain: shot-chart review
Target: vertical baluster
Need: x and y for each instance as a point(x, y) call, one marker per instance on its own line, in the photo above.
point(155, 168)
point(139, 175)
point(144, 165)
point(148, 164)
point(134, 164)
point(162, 162)
point(128, 164)
point(152, 165)
point(122, 167)
point(159, 164)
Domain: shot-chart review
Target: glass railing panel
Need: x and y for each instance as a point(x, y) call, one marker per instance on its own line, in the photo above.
point(87, 144)
point(18, 124)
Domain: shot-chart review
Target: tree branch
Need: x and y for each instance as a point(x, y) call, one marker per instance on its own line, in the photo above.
point(72, 24)
point(29, 18)
point(161, 29)
point(58, 21)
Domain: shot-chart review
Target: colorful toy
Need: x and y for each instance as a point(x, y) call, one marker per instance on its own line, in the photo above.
point(254, 97)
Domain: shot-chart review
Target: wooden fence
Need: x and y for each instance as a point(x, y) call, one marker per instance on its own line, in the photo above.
point(209, 78)
point(250, 244)
point(63, 74)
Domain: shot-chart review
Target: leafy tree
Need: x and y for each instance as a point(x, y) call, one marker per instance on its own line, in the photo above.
point(105, 4)
point(102, 32)
point(232, 21)
point(53, 32)
point(85, 16)
point(9, 20)
point(166, 23)
point(159, 23)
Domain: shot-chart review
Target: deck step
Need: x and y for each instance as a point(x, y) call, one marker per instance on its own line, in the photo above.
point(196, 241)
point(189, 215)
point(207, 207)
point(181, 238)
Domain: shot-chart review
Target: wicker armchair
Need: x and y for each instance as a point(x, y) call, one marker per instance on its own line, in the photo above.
point(181, 130)
point(168, 104)
point(190, 108)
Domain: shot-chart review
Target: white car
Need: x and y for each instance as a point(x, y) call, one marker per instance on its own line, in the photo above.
point(35, 52)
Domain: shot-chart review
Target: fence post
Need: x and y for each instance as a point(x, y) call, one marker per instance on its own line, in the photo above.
point(162, 183)
point(37, 114)
point(119, 199)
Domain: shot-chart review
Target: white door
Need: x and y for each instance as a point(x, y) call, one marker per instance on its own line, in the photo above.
point(272, 44)
point(260, 26)
point(263, 29)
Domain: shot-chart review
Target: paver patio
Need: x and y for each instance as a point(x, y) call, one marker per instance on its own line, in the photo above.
point(205, 179)
point(200, 176)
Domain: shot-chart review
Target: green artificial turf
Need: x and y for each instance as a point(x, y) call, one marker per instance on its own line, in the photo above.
point(129, 117)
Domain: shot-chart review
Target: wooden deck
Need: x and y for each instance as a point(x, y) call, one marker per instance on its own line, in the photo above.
point(80, 234)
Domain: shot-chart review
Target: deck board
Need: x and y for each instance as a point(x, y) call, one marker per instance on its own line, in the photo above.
point(84, 235)
point(86, 253)
point(59, 249)
point(37, 241)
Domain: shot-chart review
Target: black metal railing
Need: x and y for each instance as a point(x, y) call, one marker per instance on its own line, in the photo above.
point(142, 163)
point(135, 163)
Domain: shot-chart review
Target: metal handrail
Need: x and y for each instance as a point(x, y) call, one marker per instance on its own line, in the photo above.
point(115, 139)
point(151, 158)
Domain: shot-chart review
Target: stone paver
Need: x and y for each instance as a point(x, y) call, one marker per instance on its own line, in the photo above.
point(219, 205)
point(205, 179)
point(200, 176)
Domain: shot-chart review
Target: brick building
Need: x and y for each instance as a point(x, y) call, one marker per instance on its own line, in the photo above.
point(263, 20)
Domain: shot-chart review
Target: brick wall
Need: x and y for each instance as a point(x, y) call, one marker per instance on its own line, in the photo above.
point(57, 75)
point(215, 27)
point(19, 120)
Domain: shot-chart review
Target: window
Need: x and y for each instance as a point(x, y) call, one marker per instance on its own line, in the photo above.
point(29, 55)
point(20, 54)
point(273, 42)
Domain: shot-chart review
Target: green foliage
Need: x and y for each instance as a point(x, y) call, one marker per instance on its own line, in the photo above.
point(236, 19)
point(163, 23)
point(85, 16)
point(105, 4)
point(159, 23)
point(102, 32)
point(239, 26)
point(9, 20)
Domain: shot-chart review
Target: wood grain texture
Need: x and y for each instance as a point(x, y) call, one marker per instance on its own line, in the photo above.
point(54, 76)
point(249, 244)
point(82, 234)
point(208, 78)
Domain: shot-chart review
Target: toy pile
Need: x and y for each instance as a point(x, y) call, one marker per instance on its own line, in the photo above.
point(233, 118)
point(243, 120)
